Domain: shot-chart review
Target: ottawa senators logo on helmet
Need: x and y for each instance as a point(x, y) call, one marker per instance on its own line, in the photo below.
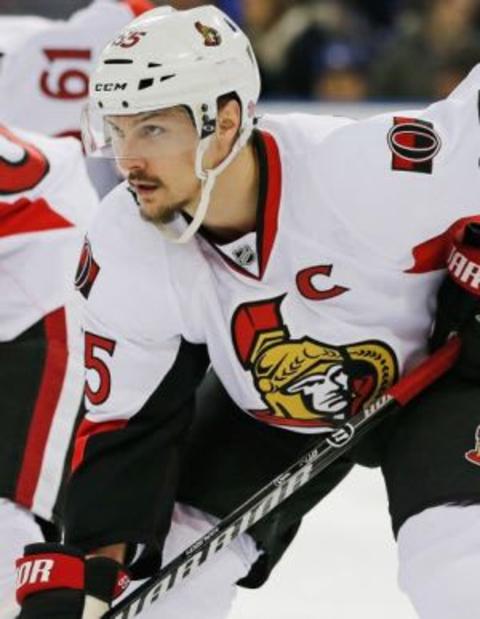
point(87, 270)
point(22, 165)
point(211, 37)
point(306, 383)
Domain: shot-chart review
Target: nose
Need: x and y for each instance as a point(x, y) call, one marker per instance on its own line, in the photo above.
point(128, 154)
point(130, 164)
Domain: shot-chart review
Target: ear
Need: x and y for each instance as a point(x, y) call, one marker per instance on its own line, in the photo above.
point(227, 126)
point(226, 132)
point(228, 121)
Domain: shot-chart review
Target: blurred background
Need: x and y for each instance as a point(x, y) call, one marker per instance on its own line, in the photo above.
point(341, 50)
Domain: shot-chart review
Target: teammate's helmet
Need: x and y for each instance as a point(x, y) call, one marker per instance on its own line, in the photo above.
point(166, 58)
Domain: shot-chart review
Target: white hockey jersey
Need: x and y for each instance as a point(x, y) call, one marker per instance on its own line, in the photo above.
point(45, 64)
point(46, 203)
point(322, 307)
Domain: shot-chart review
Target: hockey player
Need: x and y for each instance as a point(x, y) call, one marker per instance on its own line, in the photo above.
point(303, 254)
point(46, 202)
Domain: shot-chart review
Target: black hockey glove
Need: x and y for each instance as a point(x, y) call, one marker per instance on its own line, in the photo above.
point(57, 582)
point(458, 302)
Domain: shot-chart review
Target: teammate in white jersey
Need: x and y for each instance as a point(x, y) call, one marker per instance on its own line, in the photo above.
point(46, 63)
point(46, 202)
point(301, 257)
point(45, 66)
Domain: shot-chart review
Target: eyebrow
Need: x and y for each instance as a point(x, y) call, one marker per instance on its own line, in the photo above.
point(144, 117)
point(150, 115)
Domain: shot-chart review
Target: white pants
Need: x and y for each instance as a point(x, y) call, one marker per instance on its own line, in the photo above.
point(209, 592)
point(17, 528)
point(439, 562)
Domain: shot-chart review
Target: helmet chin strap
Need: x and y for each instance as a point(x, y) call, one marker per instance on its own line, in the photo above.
point(207, 178)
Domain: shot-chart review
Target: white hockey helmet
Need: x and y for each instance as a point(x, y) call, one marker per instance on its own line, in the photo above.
point(167, 58)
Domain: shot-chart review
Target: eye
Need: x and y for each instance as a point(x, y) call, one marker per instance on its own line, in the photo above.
point(115, 131)
point(152, 131)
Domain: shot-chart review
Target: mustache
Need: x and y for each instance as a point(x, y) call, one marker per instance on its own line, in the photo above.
point(139, 177)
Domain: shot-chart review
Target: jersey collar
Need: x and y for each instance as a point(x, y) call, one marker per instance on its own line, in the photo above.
point(238, 253)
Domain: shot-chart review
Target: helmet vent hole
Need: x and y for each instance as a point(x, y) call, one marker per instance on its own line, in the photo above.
point(124, 103)
point(145, 83)
point(118, 61)
point(153, 65)
point(164, 78)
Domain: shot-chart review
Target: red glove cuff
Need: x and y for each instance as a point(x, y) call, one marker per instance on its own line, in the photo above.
point(45, 571)
point(46, 567)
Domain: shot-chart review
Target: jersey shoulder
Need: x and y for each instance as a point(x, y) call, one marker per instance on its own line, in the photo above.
point(131, 276)
point(299, 132)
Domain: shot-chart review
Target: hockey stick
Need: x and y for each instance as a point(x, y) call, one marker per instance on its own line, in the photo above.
point(297, 475)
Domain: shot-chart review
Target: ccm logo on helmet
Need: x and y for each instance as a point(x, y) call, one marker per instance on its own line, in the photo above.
point(110, 87)
point(414, 144)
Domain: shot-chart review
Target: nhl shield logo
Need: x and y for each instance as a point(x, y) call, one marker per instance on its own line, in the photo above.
point(473, 455)
point(244, 255)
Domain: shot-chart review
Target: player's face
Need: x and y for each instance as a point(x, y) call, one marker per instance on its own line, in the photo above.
point(155, 151)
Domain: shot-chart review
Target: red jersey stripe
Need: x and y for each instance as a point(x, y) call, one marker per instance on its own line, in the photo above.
point(272, 202)
point(26, 215)
point(45, 406)
point(139, 6)
point(85, 431)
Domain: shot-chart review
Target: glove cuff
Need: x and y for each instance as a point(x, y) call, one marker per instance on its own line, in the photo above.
point(49, 566)
point(105, 579)
point(463, 265)
point(46, 567)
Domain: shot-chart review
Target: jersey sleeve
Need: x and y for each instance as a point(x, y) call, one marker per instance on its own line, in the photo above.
point(46, 203)
point(397, 180)
point(141, 375)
